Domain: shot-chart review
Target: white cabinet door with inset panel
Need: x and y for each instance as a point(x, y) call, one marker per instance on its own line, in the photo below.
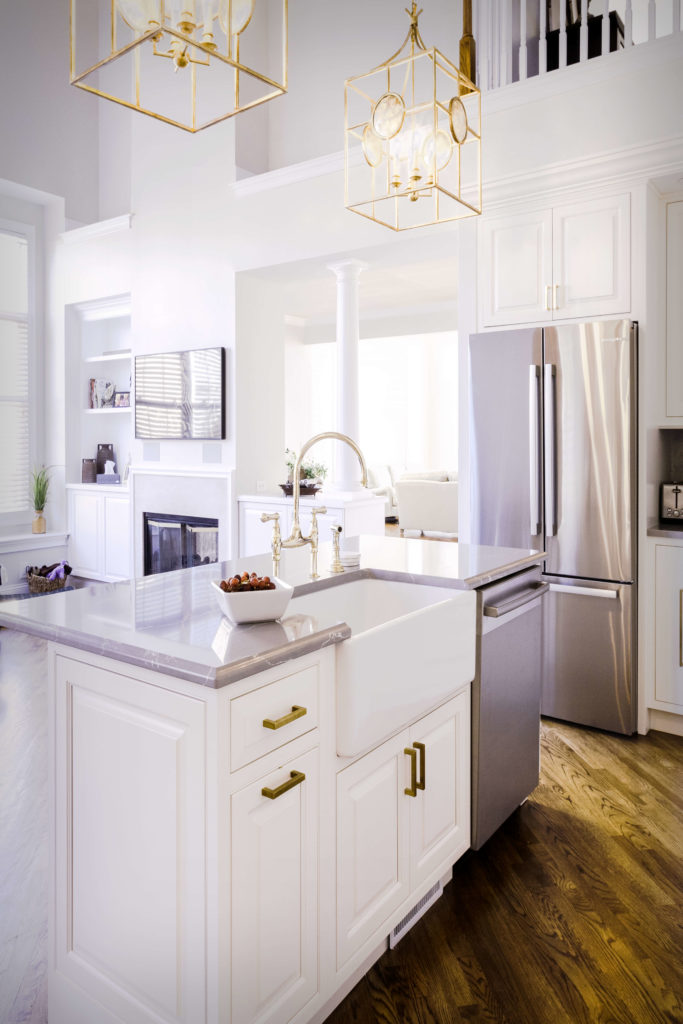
point(591, 258)
point(86, 533)
point(674, 309)
point(373, 874)
point(440, 816)
point(130, 869)
point(275, 893)
point(669, 628)
point(568, 262)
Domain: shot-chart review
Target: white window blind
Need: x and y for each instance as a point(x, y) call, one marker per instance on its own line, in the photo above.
point(14, 373)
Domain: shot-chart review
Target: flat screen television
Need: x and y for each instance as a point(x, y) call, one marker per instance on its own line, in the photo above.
point(180, 395)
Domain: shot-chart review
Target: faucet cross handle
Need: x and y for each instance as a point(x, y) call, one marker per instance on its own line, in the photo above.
point(320, 510)
point(276, 545)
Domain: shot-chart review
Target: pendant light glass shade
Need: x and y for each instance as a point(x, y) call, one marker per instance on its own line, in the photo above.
point(413, 139)
point(190, 63)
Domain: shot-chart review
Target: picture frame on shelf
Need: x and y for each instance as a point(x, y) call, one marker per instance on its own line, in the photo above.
point(122, 400)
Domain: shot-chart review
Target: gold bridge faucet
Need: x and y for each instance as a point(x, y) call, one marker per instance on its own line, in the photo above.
point(296, 539)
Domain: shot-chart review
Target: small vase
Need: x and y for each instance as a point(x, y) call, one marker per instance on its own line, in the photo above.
point(38, 525)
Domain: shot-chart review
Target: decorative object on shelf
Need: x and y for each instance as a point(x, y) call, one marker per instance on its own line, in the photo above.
point(122, 400)
point(48, 578)
point(106, 465)
point(40, 485)
point(190, 64)
point(104, 394)
point(88, 471)
point(92, 394)
point(412, 154)
point(313, 473)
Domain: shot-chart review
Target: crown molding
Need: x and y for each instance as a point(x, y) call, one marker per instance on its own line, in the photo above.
point(97, 230)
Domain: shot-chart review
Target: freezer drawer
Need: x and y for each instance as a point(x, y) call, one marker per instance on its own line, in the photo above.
point(506, 701)
point(589, 653)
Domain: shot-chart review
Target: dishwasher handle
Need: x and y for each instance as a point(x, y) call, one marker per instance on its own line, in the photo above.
point(497, 611)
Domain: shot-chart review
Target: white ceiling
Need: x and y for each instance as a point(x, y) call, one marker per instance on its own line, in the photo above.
point(404, 273)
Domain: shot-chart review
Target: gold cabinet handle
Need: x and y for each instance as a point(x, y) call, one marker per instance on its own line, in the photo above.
point(548, 288)
point(421, 748)
point(556, 298)
point(411, 790)
point(295, 779)
point(277, 723)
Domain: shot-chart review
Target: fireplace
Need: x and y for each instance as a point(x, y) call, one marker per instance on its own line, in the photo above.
point(178, 542)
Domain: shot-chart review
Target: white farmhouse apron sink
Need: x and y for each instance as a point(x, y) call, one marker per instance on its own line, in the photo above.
point(411, 647)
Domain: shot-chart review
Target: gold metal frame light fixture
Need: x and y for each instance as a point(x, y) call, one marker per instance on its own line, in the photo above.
point(413, 138)
point(190, 63)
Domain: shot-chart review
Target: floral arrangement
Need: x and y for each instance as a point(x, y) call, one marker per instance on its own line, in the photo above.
point(310, 470)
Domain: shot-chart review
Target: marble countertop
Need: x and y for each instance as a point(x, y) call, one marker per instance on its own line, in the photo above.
point(171, 623)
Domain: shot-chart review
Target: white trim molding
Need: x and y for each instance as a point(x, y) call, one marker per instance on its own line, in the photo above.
point(97, 229)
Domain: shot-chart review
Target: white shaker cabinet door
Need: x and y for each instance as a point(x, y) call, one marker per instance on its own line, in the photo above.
point(373, 852)
point(674, 309)
point(440, 816)
point(86, 533)
point(515, 268)
point(275, 894)
point(669, 628)
point(129, 862)
point(117, 546)
point(591, 258)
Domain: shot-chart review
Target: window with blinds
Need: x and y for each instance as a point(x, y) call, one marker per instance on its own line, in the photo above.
point(14, 373)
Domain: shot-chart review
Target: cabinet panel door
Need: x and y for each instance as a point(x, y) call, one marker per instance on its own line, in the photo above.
point(130, 875)
point(86, 530)
point(117, 553)
point(591, 258)
point(515, 268)
point(372, 853)
point(275, 896)
point(669, 626)
point(440, 814)
point(674, 309)
point(255, 537)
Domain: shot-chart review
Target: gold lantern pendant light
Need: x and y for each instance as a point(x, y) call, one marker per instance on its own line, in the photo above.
point(413, 137)
point(190, 63)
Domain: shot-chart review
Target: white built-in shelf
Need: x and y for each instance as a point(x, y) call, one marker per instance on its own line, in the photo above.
point(109, 357)
point(107, 409)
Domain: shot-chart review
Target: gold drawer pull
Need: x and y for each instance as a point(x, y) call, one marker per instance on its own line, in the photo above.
point(421, 748)
point(296, 712)
point(295, 779)
point(412, 754)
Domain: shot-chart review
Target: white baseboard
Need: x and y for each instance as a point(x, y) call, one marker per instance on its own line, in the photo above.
point(664, 721)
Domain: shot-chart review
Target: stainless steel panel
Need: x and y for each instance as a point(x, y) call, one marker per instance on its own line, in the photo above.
point(502, 483)
point(593, 460)
point(506, 706)
point(589, 653)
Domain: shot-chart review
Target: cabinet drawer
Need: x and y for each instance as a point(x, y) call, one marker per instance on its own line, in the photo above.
point(250, 738)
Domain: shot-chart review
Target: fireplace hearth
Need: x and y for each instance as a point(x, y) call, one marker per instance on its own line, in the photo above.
point(178, 542)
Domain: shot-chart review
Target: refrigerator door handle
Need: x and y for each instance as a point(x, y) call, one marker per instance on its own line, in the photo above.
point(550, 460)
point(535, 509)
point(560, 588)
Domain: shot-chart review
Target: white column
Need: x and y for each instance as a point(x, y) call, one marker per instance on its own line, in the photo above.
point(347, 467)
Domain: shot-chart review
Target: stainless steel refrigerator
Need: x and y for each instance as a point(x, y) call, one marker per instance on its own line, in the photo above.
point(553, 441)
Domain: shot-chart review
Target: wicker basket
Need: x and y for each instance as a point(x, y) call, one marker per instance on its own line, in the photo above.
point(42, 585)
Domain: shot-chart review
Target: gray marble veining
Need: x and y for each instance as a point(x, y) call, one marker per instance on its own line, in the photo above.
point(172, 624)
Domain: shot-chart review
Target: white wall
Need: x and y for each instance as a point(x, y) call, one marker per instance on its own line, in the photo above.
point(48, 128)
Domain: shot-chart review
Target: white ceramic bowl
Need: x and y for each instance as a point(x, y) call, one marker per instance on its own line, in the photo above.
point(254, 605)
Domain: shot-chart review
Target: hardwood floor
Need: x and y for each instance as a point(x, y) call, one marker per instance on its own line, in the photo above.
point(570, 914)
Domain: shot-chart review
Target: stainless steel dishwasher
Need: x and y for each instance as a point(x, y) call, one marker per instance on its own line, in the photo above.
point(506, 699)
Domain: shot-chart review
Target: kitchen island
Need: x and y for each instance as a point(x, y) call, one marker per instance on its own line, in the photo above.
point(213, 857)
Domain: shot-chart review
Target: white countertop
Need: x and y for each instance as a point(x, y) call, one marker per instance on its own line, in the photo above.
point(171, 622)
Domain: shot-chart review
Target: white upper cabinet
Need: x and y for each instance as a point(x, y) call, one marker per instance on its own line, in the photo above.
point(674, 309)
point(569, 262)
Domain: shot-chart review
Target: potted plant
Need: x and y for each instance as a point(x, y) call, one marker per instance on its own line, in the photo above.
point(40, 485)
point(311, 474)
